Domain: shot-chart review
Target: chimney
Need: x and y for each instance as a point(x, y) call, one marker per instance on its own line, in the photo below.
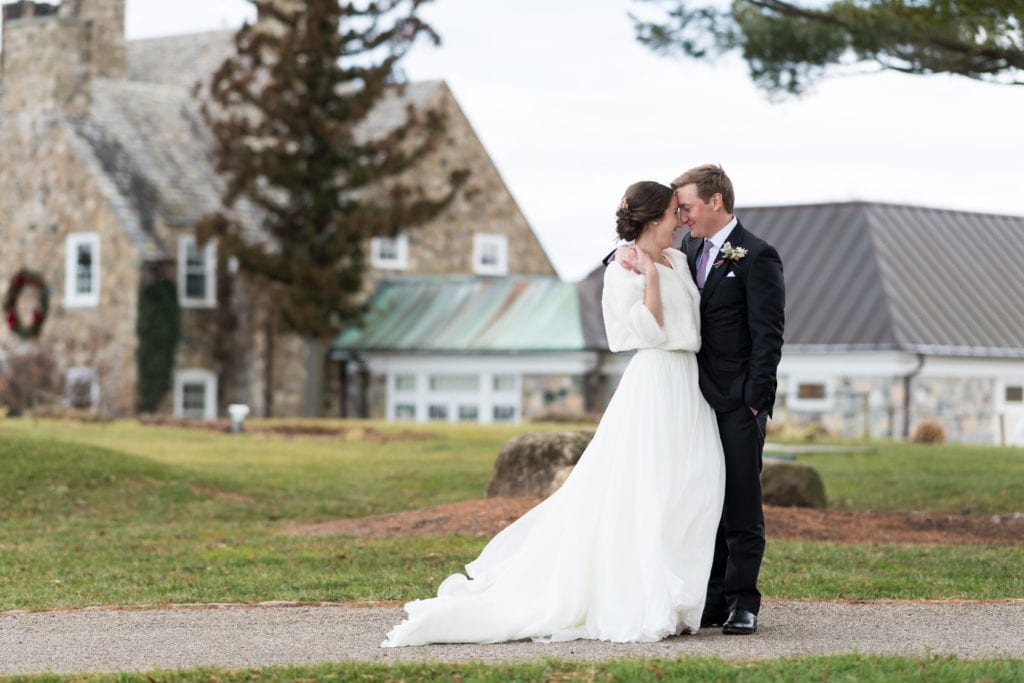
point(51, 52)
point(103, 22)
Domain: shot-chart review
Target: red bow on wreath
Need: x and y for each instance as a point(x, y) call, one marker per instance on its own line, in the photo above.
point(26, 278)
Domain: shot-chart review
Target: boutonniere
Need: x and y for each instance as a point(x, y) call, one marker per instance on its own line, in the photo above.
point(729, 253)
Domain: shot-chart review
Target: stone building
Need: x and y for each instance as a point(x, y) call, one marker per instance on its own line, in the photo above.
point(104, 171)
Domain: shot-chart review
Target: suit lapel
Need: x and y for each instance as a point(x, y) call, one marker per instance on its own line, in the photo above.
point(716, 274)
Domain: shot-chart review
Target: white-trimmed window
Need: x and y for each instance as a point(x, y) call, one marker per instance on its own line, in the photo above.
point(460, 383)
point(82, 388)
point(1013, 394)
point(195, 394)
point(405, 383)
point(490, 254)
point(455, 395)
point(503, 383)
point(197, 273)
point(82, 269)
point(810, 395)
point(390, 253)
point(504, 413)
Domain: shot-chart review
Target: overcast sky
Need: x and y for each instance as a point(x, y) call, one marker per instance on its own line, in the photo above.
point(572, 111)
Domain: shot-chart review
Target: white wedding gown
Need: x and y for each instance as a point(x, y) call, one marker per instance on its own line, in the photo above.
point(622, 551)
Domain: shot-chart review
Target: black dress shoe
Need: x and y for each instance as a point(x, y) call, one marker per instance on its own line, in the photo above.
point(740, 623)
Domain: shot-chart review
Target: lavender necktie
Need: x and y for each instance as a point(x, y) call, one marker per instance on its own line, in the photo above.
point(702, 262)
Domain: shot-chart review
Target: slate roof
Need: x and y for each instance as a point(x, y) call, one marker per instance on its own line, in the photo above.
point(181, 60)
point(459, 314)
point(147, 145)
point(873, 276)
point(151, 141)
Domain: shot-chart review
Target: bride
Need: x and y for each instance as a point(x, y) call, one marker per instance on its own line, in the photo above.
point(622, 551)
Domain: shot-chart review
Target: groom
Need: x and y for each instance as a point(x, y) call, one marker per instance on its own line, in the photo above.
point(741, 313)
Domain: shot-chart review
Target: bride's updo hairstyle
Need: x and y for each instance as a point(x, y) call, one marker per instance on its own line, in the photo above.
point(644, 202)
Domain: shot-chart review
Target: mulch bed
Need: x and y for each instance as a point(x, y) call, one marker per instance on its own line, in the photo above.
point(485, 517)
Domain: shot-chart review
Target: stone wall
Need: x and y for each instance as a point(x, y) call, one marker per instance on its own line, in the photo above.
point(874, 408)
point(45, 194)
point(484, 205)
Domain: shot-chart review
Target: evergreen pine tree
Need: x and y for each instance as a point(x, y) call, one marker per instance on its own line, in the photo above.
point(284, 112)
point(788, 45)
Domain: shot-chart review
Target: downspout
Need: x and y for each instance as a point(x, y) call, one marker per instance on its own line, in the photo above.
point(907, 380)
point(342, 386)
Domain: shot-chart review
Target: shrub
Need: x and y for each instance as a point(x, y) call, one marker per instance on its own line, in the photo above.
point(29, 380)
point(158, 329)
point(929, 431)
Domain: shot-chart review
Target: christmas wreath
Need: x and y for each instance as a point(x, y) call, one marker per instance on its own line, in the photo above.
point(26, 278)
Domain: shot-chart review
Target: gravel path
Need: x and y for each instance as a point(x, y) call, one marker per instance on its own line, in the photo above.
point(107, 640)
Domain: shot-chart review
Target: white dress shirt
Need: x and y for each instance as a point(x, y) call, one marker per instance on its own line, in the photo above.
point(719, 238)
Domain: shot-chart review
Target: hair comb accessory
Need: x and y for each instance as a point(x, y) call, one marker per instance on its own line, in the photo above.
point(624, 204)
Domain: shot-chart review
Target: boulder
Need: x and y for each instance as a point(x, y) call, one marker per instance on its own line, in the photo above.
point(536, 464)
point(561, 474)
point(791, 484)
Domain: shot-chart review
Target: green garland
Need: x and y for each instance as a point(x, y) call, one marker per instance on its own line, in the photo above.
point(26, 278)
point(158, 331)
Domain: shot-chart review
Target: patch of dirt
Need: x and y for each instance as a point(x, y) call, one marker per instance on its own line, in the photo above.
point(290, 429)
point(486, 517)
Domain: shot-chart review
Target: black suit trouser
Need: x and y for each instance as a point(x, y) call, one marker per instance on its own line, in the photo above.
point(739, 545)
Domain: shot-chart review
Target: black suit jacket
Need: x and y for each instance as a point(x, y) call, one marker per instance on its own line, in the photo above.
point(742, 317)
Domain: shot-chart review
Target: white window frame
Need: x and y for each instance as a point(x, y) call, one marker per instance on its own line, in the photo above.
point(79, 373)
point(196, 376)
point(483, 242)
point(811, 405)
point(1001, 403)
point(400, 261)
point(209, 252)
point(483, 396)
point(72, 297)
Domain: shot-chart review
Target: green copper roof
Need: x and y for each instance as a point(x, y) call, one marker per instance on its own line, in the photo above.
point(519, 314)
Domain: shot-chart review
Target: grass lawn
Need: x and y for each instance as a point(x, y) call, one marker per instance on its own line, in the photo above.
point(127, 514)
point(945, 477)
point(796, 670)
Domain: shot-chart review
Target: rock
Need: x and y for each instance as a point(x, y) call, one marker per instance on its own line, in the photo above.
point(561, 474)
point(791, 484)
point(536, 464)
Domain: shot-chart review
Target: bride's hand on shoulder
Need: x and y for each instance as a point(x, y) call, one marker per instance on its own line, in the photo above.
point(625, 256)
point(644, 264)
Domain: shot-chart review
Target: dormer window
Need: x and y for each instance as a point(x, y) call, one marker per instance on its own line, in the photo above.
point(490, 254)
point(390, 253)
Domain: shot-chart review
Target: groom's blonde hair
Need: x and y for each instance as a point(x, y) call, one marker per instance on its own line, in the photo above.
point(709, 179)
